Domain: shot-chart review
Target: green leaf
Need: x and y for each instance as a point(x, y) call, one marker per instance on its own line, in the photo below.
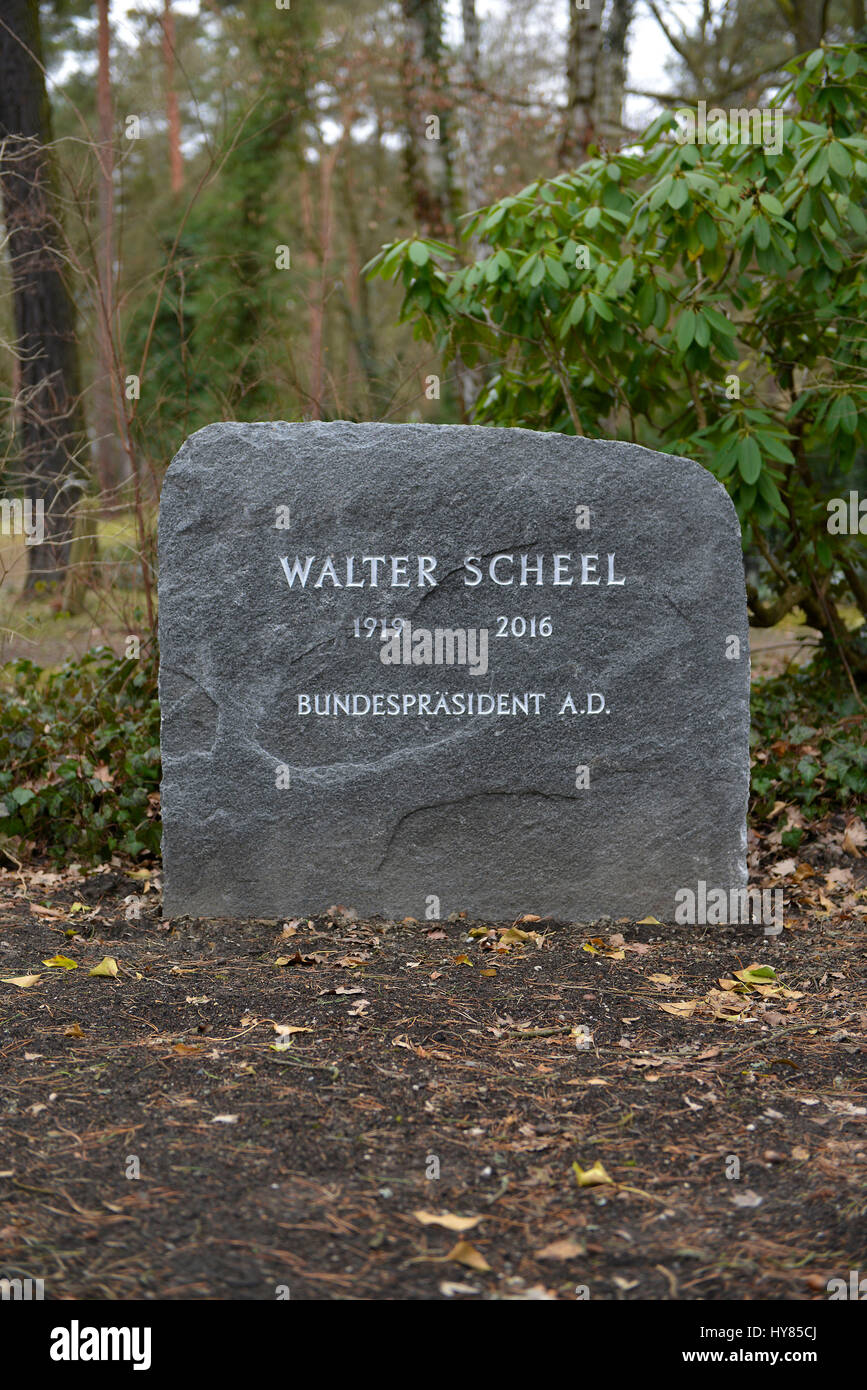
point(685, 330)
point(839, 159)
point(555, 272)
point(775, 447)
point(719, 322)
point(576, 313)
point(818, 166)
point(706, 228)
point(847, 414)
point(645, 302)
point(761, 233)
point(623, 277)
point(418, 253)
point(771, 204)
point(661, 192)
point(749, 459)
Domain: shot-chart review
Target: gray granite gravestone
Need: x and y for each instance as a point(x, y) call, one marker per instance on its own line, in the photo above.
point(420, 669)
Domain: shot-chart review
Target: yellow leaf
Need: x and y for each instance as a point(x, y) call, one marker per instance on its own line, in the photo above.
point(463, 960)
point(593, 1176)
point(61, 962)
point(107, 968)
point(514, 934)
point(74, 1030)
point(649, 922)
point(447, 1219)
point(466, 1254)
point(597, 947)
point(23, 981)
point(77, 907)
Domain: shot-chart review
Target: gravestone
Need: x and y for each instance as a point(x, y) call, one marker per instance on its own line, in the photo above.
point(422, 669)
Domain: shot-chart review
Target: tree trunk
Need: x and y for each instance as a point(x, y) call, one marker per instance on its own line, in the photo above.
point(427, 151)
point(111, 463)
point(473, 124)
point(581, 122)
point(615, 35)
point(173, 119)
point(49, 436)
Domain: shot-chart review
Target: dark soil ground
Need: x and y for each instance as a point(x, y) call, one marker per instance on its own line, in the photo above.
point(437, 1070)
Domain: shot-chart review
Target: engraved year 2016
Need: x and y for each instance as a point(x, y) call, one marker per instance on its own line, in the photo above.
point(523, 627)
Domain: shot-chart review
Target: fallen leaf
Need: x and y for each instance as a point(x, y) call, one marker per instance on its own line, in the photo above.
point(662, 979)
point(74, 1030)
point(224, 1120)
point(61, 963)
point(23, 981)
point(597, 947)
point(756, 974)
point(561, 1250)
point(747, 1198)
point(683, 1008)
point(466, 1254)
point(648, 922)
point(107, 968)
point(593, 1176)
point(447, 1219)
point(286, 1029)
point(512, 935)
point(783, 867)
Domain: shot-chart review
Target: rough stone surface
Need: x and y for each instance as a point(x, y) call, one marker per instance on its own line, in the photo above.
point(389, 813)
